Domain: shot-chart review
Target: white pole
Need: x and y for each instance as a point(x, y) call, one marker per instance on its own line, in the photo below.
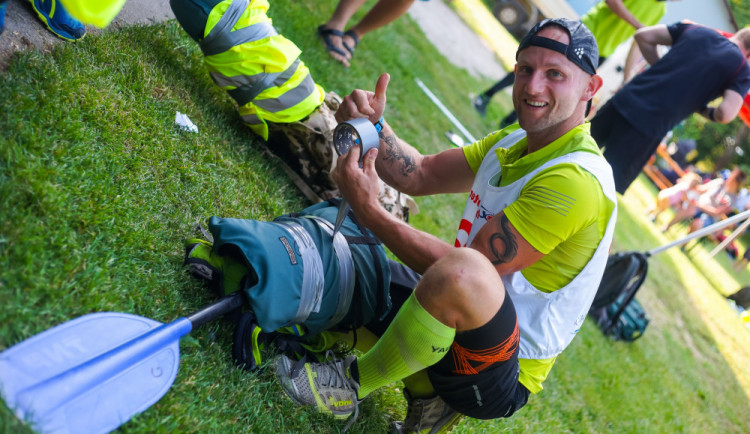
point(730, 238)
point(445, 111)
point(701, 232)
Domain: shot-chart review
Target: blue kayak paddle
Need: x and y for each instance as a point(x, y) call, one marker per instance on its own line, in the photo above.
point(93, 373)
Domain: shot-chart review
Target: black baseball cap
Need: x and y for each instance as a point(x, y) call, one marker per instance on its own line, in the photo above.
point(582, 49)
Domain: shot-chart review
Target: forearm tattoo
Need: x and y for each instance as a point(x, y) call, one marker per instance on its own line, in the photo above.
point(394, 152)
point(509, 245)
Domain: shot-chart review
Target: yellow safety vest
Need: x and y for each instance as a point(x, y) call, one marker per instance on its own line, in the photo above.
point(259, 68)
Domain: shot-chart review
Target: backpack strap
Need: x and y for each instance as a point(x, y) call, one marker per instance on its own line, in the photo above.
point(313, 279)
point(634, 283)
point(346, 270)
point(383, 296)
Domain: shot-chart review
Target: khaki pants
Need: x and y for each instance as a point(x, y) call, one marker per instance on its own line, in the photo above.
point(307, 146)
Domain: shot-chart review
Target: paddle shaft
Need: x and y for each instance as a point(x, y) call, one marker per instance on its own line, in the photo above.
point(215, 310)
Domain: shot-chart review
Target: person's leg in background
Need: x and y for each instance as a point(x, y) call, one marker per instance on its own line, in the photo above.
point(192, 15)
point(483, 99)
point(340, 44)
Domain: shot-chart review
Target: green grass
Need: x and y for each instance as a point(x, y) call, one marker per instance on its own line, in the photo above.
point(98, 190)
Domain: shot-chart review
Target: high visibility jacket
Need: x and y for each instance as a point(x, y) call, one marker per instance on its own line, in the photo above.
point(259, 68)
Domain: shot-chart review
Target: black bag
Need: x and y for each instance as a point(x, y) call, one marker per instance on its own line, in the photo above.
point(741, 297)
point(615, 309)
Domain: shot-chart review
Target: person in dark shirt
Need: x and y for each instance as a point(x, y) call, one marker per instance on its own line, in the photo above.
point(701, 66)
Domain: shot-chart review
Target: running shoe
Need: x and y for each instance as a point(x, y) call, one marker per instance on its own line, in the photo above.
point(427, 415)
point(327, 386)
point(58, 20)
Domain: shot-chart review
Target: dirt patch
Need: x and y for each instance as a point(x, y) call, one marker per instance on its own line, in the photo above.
point(24, 31)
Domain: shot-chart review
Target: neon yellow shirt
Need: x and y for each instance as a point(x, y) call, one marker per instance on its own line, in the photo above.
point(568, 235)
point(609, 30)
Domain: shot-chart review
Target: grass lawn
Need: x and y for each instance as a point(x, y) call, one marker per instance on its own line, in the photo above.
point(98, 190)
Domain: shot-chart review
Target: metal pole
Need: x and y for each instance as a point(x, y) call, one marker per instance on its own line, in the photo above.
point(730, 238)
point(445, 111)
point(701, 232)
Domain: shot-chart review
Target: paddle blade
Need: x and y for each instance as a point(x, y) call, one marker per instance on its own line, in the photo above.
point(91, 374)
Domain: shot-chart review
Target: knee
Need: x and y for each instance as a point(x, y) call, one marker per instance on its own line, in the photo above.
point(462, 289)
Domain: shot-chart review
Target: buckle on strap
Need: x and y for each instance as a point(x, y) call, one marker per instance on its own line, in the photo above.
point(221, 37)
point(346, 270)
point(311, 293)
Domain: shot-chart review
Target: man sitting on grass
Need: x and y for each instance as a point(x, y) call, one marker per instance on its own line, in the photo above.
point(484, 324)
point(487, 318)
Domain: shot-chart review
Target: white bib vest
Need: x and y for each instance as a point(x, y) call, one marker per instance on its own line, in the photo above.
point(547, 321)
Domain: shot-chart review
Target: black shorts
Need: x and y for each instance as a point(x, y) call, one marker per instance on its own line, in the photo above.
point(626, 148)
point(478, 377)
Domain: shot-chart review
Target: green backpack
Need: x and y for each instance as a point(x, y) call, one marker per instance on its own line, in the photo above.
point(615, 309)
point(304, 276)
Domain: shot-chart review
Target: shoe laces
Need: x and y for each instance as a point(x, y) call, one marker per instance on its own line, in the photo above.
point(336, 377)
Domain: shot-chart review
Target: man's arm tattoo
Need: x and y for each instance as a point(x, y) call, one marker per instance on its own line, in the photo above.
point(394, 152)
point(508, 240)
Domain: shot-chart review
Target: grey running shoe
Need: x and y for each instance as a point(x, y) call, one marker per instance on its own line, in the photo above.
point(427, 415)
point(480, 103)
point(327, 386)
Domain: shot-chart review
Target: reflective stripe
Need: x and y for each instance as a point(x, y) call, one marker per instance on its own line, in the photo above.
point(248, 92)
point(221, 38)
point(346, 271)
point(251, 119)
point(236, 81)
point(290, 98)
point(311, 293)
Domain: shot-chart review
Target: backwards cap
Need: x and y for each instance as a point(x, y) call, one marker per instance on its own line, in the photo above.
point(582, 49)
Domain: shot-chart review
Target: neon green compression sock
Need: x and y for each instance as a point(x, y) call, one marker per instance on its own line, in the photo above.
point(412, 342)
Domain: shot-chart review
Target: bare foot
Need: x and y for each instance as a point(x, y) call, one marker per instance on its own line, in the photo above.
point(350, 42)
point(333, 40)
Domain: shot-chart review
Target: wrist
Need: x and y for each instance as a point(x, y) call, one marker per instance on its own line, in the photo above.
point(379, 124)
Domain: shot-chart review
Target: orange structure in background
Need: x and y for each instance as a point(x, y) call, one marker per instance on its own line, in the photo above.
point(653, 172)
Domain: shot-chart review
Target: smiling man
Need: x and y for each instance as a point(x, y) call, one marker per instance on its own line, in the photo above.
point(489, 314)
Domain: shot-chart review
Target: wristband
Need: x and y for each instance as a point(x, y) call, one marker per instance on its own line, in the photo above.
point(379, 124)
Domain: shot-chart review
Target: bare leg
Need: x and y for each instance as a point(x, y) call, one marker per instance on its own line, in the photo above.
point(344, 11)
point(680, 215)
point(634, 63)
point(384, 12)
point(462, 290)
point(662, 203)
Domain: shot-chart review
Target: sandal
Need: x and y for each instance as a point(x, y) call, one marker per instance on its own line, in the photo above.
point(351, 34)
point(326, 34)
